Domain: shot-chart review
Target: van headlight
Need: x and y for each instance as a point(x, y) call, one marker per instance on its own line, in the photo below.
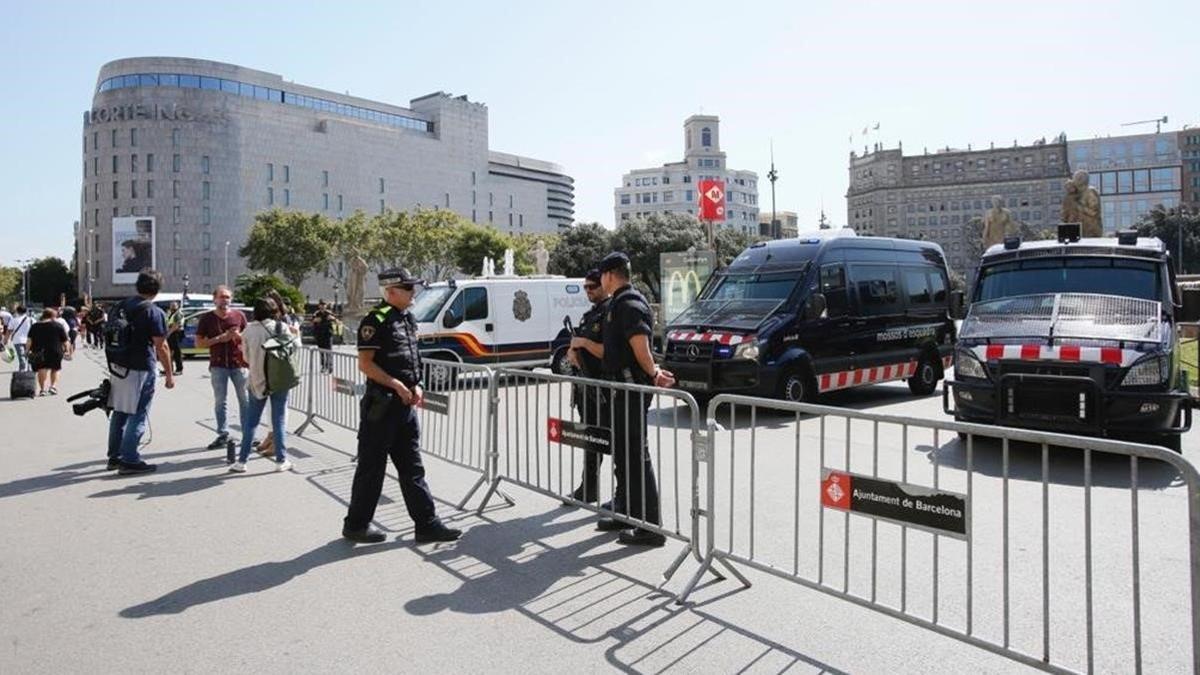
point(966, 365)
point(1149, 371)
point(747, 350)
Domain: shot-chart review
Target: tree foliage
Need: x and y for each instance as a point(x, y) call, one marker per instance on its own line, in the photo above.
point(1167, 225)
point(10, 285)
point(579, 249)
point(249, 288)
point(292, 243)
point(49, 280)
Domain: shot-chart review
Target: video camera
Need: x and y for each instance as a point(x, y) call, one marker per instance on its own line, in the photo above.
point(96, 399)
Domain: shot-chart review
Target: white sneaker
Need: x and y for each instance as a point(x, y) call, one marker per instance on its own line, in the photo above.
point(285, 465)
point(237, 467)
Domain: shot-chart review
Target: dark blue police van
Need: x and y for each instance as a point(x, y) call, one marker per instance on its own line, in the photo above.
point(795, 318)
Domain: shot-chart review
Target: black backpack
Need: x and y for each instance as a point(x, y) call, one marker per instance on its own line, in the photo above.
point(119, 350)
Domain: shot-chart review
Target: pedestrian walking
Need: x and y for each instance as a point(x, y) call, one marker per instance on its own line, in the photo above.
point(585, 354)
point(143, 338)
point(175, 336)
point(5, 317)
point(389, 357)
point(263, 328)
point(220, 331)
point(18, 335)
point(96, 317)
point(48, 344)
point(322, 323)
point(71, 317)
point(628, 326)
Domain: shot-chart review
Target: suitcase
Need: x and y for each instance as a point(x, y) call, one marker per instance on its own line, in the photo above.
point(24, 384)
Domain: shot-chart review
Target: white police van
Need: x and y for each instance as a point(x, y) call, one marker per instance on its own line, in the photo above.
point(510, 320)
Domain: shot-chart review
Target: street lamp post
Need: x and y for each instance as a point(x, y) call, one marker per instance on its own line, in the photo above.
point(88, 271)
point(335, 295)
point(24, 263)
point(226, 263)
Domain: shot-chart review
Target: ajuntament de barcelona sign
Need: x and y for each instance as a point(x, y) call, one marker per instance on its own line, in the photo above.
point(150, 111)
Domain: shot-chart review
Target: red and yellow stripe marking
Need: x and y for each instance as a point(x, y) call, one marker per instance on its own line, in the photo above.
point(858, 377)
point(475, 348)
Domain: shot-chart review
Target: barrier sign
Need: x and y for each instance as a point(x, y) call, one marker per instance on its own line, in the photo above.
point(436, 403)
point(348, 387)
point(579, 435)
point(934, 510)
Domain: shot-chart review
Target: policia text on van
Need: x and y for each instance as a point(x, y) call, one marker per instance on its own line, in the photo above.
point(1075, 335)
point(795, 318)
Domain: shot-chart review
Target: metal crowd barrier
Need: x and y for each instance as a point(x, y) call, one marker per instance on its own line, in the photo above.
point(542, 439)
point(1059, 552)
point(455, 416)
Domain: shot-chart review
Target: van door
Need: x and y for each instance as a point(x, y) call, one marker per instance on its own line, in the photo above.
point(467, 325)
point(828, 339)
point(525, 326)
point(877, 334)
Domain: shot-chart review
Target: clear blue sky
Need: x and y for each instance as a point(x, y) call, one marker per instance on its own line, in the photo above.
point(604, 87)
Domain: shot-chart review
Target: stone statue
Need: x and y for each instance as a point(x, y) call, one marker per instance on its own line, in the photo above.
point(541, 257)
point(1081, 205)
point(356, 283)
point(998, 223)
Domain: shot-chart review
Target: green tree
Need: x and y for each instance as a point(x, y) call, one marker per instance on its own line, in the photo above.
point(422, 241)
point(49, 279)
point(731, 242)
point(1167, 225)
point(643, 239)
point(249, 288)
point(293, 243)
point(475, 242)
point(10, 285)
point(579, 249)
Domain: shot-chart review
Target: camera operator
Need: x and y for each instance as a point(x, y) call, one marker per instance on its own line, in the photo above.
point(144, 337)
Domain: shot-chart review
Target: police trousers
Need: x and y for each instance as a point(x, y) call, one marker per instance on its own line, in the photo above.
point(397, 435)
point(637, 488)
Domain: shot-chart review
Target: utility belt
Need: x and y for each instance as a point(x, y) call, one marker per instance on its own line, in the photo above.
point(631, 376)
point(378, 401)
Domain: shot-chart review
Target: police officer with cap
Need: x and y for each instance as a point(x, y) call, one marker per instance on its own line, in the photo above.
point(389, 357)
point(586, 352)
point(628, 326)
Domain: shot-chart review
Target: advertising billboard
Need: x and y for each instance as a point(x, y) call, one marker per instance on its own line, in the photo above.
point(683, 276)
point(132, 247)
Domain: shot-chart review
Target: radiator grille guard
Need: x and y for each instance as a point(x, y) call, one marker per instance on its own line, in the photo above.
point(1065, 315)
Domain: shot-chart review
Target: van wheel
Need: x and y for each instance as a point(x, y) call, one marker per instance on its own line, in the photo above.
point(925, 381)
point(796, 386)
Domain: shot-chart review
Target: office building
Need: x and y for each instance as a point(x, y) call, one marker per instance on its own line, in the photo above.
point(197, 148)
point(672, 188)
point(789, 224)
point(1132, 173)
point(1189, 151)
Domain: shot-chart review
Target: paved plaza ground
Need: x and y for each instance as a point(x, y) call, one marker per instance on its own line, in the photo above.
point(193, 569)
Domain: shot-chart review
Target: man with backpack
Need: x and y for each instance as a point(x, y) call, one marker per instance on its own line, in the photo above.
point(134, 335)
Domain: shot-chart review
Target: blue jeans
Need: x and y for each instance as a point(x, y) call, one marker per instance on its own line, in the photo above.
point(22, 356)
point(221, 377)
point(125, 430)
point(254, 411)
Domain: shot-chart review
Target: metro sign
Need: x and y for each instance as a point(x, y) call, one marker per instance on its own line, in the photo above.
point(712, 200)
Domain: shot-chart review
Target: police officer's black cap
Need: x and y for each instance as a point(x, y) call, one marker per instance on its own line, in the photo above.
point(398, 276)
point(614, 261)
point(593, 276)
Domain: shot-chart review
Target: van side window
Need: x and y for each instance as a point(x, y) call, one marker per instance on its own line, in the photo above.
point(876, 285)
point(916, 282)
point(937, 284)
point(477, 304)
point(833, 287)
point(454, 313)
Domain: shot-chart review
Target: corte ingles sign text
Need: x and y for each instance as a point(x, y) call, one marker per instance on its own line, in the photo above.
point(934, 510)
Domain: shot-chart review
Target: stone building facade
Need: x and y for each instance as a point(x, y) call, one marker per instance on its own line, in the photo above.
point(201, 147)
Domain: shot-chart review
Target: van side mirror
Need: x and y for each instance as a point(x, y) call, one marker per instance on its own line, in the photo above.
point(958, 305)
point(450, 319)
point(1189, 312)
point(815, 307)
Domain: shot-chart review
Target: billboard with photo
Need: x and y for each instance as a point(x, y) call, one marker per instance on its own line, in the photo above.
point(133, 247)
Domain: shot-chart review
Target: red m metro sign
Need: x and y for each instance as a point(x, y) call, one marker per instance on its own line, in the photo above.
point(712, 199)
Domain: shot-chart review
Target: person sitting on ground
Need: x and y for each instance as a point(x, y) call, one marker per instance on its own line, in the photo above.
point(47, 345)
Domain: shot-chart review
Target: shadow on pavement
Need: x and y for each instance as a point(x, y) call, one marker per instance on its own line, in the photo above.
point(252, 579)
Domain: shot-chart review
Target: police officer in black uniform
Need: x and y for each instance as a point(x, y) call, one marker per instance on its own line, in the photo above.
point(628, 327)
point(388, 356)
point(586, 351)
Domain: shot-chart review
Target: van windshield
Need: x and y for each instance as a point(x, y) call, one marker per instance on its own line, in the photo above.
point(777, 286)
point(1106, 276)
point(429, 302)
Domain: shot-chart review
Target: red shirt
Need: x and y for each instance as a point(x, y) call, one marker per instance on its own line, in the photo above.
point(223, 354)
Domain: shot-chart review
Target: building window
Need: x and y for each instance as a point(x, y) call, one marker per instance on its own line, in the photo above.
point(95, 140)
point(96, 222)
point(473, 218)
point(706, 137)
point(114, 138)
point(204, 164)
point(206, 216)
point(287, 197)
point(175, 240)
point(324, 179)
point(175, 215)
point(270, 196)
point(510, 201)
point(270, 172)
point(205, 190)
point(175, 189)
point(625, 199)
point(150, 162)
point(149, 189)
point(325, 201)
point(510, 220)
point(175, 138)
point(380, 186)
point(206, 267)
point(520, 220)
point(133, 164)
point(491, 218)
point(287, 173)
point(133, 138)
point(96, 166)
point(176, 163)
point(175, 266)
point(381, 206)
point(95, 191)
point(114, 190)
point(339, 203)
point(114, 163)
point(447, 201)
point(133, 189)
point(205, 241)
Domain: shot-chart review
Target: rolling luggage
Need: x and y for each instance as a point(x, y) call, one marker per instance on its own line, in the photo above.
point(24, 383)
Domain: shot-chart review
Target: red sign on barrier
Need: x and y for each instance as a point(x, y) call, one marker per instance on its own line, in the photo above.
point(835, 491)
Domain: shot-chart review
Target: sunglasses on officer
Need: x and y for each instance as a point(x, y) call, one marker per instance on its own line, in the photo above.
point(589, 286)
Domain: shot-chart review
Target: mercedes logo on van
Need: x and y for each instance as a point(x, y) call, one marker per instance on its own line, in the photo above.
point(693, 352)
